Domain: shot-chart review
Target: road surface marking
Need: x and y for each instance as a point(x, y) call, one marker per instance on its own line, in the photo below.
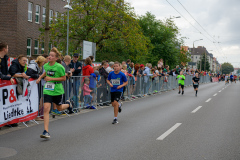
point(195, 110)
point(164, 135)
point(215, 94)
point(220, 91)
point(208, 100)
point(223, 88)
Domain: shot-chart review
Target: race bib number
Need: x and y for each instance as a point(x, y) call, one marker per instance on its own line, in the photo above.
point(115, 82)
point(49, 86)
point(195, 84)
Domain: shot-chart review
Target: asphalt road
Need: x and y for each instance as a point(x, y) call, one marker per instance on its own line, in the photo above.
point(162, 127)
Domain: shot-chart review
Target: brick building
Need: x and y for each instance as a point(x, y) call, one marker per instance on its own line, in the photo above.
point(20, 21)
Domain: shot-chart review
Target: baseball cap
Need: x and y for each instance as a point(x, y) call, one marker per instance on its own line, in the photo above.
point(75, 55)
point(141, 65)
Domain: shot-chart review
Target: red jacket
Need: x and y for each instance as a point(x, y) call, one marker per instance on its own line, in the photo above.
point(87, 70)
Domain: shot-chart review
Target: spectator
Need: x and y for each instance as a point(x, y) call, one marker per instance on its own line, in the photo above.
point(102, 90)
point(166, 69)
point(128, 64)
point(4, 59)
point(35, 67)
point(66, 64)
point(141, 70)
point(123, 63)
point(87, 69)
point(86, 93)
point(91, 57)
point(147, 77)
point(76, 69)
point(17, 68)
point(124, 69)
point(160, 63)
point(110, 67)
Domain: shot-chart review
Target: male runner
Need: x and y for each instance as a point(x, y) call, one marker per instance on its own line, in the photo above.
point(116, 80)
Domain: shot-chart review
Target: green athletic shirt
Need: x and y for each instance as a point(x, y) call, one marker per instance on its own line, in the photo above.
point(181, 81)
point(55, 71)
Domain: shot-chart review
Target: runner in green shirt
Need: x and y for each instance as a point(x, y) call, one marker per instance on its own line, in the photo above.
point(53, 90)
point(181, 79)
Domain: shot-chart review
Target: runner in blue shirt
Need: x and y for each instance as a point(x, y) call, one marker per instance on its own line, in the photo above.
point(116, 80)
point(231, 78)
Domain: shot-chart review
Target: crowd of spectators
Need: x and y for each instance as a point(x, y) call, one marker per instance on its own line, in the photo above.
point(74, 68)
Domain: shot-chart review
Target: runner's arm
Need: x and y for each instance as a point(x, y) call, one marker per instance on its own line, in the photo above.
point(110, 84)
point(39, 79)
point(63, 78)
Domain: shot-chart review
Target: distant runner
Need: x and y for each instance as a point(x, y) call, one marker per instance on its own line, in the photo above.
point(196, 80)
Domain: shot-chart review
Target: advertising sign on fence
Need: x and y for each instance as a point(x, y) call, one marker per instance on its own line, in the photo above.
point(16, 108)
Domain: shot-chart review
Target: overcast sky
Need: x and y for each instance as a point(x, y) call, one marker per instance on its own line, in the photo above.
point(219, 18)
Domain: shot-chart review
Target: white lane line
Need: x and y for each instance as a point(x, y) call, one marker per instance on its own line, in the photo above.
point(208, 100)
point(164, 135)
point(220, 91)
point(215, 94)
point(223, 88)
point(195, 110)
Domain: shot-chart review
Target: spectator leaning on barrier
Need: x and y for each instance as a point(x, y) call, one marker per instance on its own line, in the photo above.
point(66, 64)
point(17, 68)
point(4, 59)
point(76, 65)
point(35, 67)
point(87, 69)
point(142, 68)
point(147, 76)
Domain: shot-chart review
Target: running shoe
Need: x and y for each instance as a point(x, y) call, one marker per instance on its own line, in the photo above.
point(45, 134)
point(56, 112)
point(179, 92)
point(120, 107)
point(70, 109)
point(182, 92)
point(196, 94)
point(115, 121)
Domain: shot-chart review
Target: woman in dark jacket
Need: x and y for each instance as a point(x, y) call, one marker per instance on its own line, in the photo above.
point(5, 77)
point(17, 68)
point(35, 67)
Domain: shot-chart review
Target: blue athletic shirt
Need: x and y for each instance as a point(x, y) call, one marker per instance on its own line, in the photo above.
point(117, 80)
point(231, 77)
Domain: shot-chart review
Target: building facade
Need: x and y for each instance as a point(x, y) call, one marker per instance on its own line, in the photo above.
point(20, 21)
point(196, 55)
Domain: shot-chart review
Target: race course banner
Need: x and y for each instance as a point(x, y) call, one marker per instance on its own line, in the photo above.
point(16, 108)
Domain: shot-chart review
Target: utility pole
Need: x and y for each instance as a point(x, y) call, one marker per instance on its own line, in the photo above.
point(46, 33)
point(205, 61)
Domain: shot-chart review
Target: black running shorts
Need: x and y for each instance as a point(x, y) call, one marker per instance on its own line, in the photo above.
point(53, 99)
point(116, 96)
point(182, 86)
point(195, 86)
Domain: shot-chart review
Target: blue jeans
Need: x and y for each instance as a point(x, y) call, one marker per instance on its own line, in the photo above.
point(87, 100)
point(75, 85)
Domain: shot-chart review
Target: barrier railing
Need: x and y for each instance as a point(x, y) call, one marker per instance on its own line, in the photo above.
point(137, 87)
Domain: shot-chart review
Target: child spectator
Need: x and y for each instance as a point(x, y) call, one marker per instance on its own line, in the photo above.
point(86, 93)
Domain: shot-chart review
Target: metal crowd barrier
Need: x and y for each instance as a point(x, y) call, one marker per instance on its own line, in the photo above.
point(137, 87)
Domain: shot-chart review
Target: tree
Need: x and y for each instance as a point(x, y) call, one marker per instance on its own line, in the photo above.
point(163, 37)
point(227, 68)
point(112, 26)
point(201, 64)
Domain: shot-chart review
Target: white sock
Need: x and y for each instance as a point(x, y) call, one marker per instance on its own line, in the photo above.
point(119, 104)
point(115, 117)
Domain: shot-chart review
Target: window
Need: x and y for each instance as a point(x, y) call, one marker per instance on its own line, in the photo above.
point(30, 8)
point(62, 17)
point(36, 46)
point(50, 16)
point(56, 16)
point(42, 49)
point(44, 14)
point(196, 57)
point(37, 13)
point(29, 44)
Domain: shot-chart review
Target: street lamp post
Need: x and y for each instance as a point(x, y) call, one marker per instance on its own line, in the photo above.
point(193, 51)
point(68, 7)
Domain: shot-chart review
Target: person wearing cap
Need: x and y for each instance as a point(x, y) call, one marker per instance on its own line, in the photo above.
point(76, 68)
point(142, 68)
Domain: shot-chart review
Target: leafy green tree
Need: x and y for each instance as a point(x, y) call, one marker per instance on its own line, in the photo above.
point(111, 25)
point(201, 64)
point(163, 37)
point(227, 68)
